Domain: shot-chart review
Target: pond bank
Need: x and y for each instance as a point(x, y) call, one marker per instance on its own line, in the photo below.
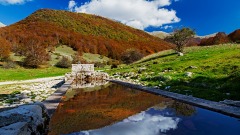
point(210, 105)
point(52, 102)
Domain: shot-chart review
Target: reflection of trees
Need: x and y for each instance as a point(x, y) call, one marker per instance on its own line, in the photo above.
point(183, 109)
point(95, 109)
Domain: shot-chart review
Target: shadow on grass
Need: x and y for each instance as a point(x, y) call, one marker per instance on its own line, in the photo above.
point(211, 88)
point(157, 57)
point(215, 89)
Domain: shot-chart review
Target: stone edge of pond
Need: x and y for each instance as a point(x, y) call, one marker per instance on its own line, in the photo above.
point(53, 101)
point(206, 104)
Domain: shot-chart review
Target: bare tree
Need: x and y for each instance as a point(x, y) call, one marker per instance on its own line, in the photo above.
point(180, 37)
point(34, 51)
point(131, 55)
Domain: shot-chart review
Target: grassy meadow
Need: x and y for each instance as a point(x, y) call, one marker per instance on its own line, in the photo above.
point(211, 72)
point(26, 74)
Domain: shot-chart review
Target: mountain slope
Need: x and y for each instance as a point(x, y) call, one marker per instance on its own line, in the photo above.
point(83, 32)
point(160, 34)
point(235, 36)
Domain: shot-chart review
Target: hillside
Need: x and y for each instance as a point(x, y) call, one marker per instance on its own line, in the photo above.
point(235, 36)
point(160, 34)
point(211, 72)
point(83, 32)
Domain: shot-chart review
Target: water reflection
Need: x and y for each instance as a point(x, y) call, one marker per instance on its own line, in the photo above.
point(112, 109)
point(88, 83)
point(140, 124)
point(86, 109)
point(183, 109)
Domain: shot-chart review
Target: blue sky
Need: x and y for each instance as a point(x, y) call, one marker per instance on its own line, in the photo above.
point(205, 16)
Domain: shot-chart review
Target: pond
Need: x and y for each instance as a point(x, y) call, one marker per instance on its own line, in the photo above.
point(112, 109)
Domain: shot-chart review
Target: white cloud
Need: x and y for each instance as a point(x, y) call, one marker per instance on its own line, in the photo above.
point(10, 2)
point(71, 5)
point(167, 27)
point(136, 13)
point(140, 124)
point(2, 25)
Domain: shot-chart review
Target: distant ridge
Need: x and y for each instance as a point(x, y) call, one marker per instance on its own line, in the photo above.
point(2, 25)
point(162, 35)
point(235, 36)
point(159, 34)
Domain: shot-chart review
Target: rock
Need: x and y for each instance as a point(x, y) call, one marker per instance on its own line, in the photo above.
point(180, 54)
point(228, 94)
point(193, 67)
point(23, 96)
point(19, 128)
point(27, 100)
point(24, 120)
point(189, 74)
point(167, 87)
point(231, 102)
point(141, 70)
point(26, 92)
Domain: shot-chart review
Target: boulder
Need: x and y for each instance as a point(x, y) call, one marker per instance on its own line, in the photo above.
point(189, 74)
point(180, 54)
point(25, 120)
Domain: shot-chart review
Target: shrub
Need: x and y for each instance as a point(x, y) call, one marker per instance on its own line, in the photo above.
point(78, 59)
point(131, 55)
point(4, 49)
point(9, 64)
point(34, 51)
point(99, 64)
point(114, 66)
point(65, 62)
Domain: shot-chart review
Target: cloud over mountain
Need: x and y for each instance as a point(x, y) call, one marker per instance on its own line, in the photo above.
point(136, 13)
point(139, 124)
point(2, 25)
point(10, 2)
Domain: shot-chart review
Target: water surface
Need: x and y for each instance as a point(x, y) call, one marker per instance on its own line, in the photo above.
point(117, 110)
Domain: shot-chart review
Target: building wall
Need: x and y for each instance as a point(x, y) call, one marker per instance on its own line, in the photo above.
point(82, 68)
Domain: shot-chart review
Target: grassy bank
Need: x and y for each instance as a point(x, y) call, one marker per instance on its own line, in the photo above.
point(26, 74)
point(211, 73)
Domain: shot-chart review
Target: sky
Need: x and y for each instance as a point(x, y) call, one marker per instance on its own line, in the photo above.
point(204, 16)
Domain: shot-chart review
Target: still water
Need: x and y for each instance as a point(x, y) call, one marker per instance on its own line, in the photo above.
point(112, 109)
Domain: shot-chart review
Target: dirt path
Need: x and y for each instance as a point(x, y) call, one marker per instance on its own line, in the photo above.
point(31, 81)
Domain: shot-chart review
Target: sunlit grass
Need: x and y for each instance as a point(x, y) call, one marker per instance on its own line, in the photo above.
point(215, 71)
point(26, 74)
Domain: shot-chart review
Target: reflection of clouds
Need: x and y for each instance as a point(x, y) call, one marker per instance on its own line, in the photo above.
point(140, 124)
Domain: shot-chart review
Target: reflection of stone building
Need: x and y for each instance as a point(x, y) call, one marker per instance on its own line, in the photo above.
point(88, 84)
point(85, 72)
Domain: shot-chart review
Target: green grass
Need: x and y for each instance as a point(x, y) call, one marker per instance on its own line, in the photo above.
point(60, 51)
point(93, 58)
point(26, 74)
point(64, 50)
point(216, 72)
